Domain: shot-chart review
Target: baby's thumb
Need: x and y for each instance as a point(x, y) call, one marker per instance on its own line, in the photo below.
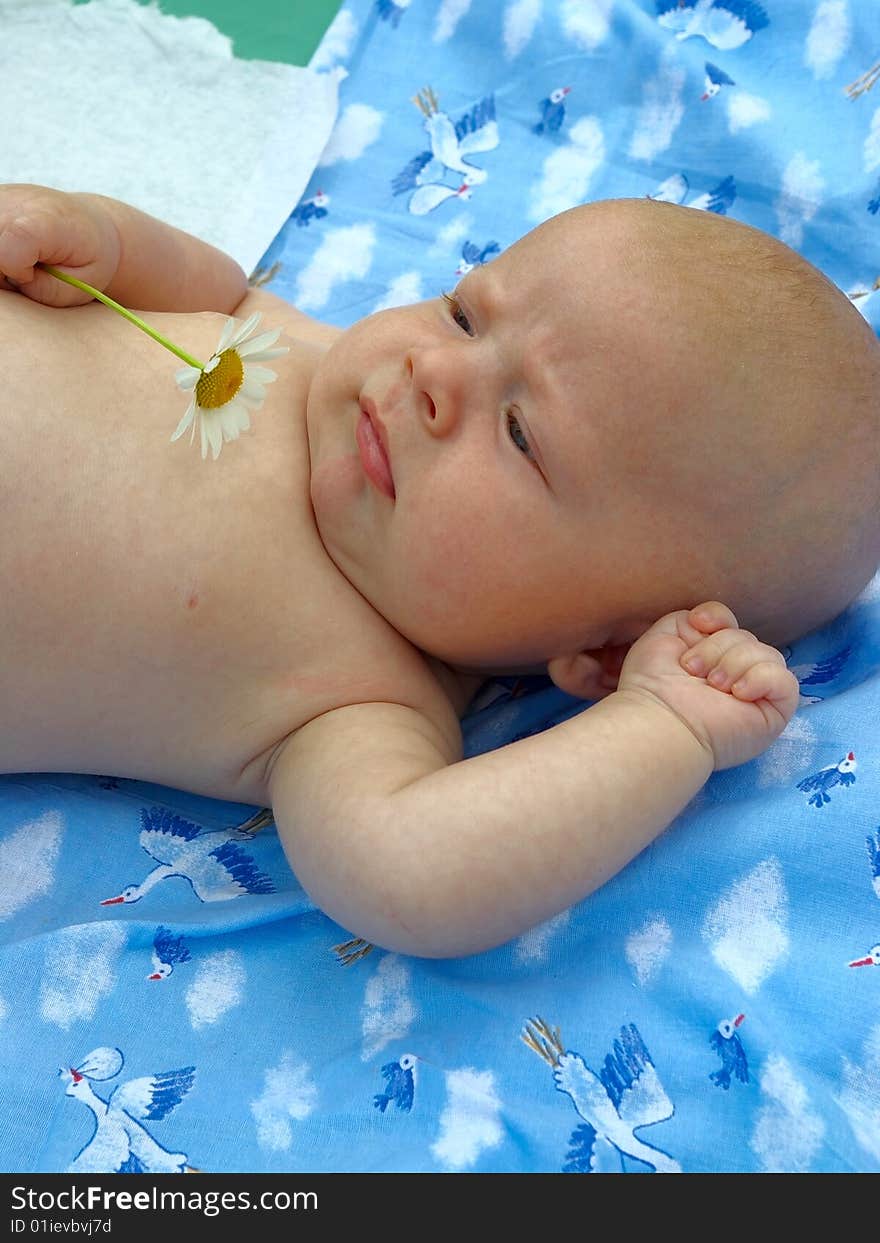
point(20, 251)
point(43, 287)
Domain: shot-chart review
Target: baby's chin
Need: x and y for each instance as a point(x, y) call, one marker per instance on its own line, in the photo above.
point(499, 669)
point(481, 660)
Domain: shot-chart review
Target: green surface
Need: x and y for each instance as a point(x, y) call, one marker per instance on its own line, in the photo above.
point(286, 30)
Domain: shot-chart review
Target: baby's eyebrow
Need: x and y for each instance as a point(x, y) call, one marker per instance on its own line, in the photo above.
point(479, 289)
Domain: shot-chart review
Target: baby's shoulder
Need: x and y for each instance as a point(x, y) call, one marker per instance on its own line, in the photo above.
point(278, 313)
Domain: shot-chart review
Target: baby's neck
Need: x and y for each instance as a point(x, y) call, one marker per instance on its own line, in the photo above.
point(459, 684)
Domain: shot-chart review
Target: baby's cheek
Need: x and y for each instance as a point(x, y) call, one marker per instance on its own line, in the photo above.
point(451, 599)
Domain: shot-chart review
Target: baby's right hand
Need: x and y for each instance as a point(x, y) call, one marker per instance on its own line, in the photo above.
point(733, 692)
point(70, 231)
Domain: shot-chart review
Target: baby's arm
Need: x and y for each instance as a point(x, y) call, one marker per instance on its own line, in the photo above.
point(410, 847)
point(134, 258)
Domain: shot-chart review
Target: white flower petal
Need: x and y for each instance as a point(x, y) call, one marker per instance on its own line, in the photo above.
point(187, 378)
point(265, 355)
point(215, 435)
point(262, 375)
point(227, 334)
point(262, 342)
point(185, 421)
point(252, 393)
point(235, 421)
point(245, 330)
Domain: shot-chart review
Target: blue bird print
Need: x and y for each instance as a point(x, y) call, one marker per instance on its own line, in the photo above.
point(400, 1084)
point(625, 1095)
point(167, 950)
point(472, 257)
point(817, 673)
point(874, 857)
point(725, 1040)
point(392, 10)
point(552, 112)
point(212, 862)
point(818, 784)
point(120, 1143)
point(726, 24)
point(311, 209)
point(676, 188)
point(715, 79)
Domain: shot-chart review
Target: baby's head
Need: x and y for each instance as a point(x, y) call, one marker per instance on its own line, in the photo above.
point(634, 408)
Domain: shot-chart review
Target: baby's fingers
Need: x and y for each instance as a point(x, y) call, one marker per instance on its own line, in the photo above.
point(724, 657)
point(711, 616)
point(771, 681)
point(25, 241)
point(45, 226)
point(706, 619)
point(27, 237)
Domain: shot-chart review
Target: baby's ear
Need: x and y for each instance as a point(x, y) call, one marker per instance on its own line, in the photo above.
point(588, 675)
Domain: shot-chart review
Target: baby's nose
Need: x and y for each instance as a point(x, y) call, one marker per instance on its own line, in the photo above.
point(440, 377)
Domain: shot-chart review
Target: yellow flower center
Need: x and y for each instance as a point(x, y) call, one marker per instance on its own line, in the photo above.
point(216, 387)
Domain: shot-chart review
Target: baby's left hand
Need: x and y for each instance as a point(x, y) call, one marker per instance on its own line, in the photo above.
point(734, 692)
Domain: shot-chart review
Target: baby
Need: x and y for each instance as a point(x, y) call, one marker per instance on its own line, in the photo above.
point(635, 413)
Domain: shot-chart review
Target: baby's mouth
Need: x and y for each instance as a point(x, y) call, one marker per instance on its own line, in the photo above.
point(372, 442)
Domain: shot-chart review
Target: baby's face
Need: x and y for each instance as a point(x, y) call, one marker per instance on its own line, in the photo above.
point(495, 527)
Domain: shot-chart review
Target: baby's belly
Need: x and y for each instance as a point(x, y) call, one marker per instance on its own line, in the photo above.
point(144, 594)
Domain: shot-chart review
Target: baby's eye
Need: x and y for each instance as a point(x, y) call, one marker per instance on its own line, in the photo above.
point(458, 314)
point(518, 436)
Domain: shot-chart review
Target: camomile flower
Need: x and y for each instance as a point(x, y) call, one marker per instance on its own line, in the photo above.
point(226, 388)
point(230, 385)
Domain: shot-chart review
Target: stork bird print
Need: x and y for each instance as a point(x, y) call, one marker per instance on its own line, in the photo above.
point(119, 1143)
point(625, 1095)
point(726, 24)
point(213, 862)
point(352, 951)
point(871, 959)
point(864, 82)
point(451, 142)
point(676, 188)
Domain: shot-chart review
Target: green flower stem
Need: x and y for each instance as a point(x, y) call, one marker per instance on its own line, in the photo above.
point(129, 315)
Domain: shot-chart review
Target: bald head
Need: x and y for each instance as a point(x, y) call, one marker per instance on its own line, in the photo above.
point(755, 444)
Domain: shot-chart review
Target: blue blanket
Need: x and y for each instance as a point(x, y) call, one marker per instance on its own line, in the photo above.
point(716, 1006)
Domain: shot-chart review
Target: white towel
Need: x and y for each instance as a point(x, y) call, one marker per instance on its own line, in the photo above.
point(120, 99)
